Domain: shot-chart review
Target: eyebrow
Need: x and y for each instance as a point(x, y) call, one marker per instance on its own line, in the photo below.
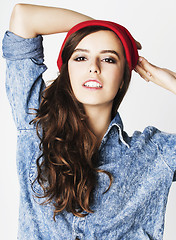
point(103, 51)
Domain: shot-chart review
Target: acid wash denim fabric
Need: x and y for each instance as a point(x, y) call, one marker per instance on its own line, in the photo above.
point(142, 166)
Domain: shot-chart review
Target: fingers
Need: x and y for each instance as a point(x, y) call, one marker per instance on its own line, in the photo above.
point(138, 45)
point(162, 77)
point(144, 69)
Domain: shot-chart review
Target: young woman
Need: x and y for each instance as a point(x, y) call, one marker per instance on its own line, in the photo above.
point(81, 176)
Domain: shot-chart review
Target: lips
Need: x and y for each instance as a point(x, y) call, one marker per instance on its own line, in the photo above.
point(92, 84)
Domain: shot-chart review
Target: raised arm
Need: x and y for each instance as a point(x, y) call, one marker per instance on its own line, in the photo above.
point(161, 76)
point(28, 21)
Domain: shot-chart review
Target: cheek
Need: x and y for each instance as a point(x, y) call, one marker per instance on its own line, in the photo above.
point(70, 71)
point(116, 77)
point(116, 81)
point(73, 73)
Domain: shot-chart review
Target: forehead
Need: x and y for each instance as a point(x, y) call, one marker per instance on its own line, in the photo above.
point(103, 39)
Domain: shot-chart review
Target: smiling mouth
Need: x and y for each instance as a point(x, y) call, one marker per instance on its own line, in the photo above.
point(92, 84)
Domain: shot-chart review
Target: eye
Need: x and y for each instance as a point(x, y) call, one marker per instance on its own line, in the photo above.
point(80, 59)
point(109, 60)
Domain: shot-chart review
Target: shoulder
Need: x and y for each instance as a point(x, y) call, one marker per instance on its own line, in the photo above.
point(155, 142)
point(153, 139)
point(145, 136)
point(151, 133)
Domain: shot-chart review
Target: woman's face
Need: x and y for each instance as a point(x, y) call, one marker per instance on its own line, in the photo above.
point(96, 68)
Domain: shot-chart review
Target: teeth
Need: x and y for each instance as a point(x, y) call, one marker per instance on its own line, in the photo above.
point(93, 84)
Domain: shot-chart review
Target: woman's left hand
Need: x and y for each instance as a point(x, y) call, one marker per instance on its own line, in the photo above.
point(160, 76)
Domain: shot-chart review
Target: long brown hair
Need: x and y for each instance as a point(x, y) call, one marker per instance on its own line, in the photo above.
point(67, 168)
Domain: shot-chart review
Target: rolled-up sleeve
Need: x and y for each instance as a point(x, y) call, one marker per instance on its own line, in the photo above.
point(24, 82)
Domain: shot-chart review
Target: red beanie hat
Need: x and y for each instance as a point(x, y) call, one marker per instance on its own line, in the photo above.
point(123, 34)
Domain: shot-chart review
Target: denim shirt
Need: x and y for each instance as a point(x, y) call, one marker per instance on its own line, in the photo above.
point(142, 166)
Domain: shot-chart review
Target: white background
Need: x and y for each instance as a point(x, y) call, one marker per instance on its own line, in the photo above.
point(151, 22)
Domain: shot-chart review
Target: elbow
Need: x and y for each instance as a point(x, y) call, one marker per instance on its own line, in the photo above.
point(16, 18)
point(19, 20)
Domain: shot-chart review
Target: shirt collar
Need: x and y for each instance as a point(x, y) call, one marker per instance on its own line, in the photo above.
point(116, 121)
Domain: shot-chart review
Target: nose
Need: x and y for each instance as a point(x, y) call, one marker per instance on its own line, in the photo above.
point(95, 67)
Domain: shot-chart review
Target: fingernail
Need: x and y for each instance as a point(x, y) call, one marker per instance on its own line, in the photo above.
point(149, 74)
point(140, 59)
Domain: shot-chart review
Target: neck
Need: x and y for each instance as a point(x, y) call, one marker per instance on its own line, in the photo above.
point(99, 119)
